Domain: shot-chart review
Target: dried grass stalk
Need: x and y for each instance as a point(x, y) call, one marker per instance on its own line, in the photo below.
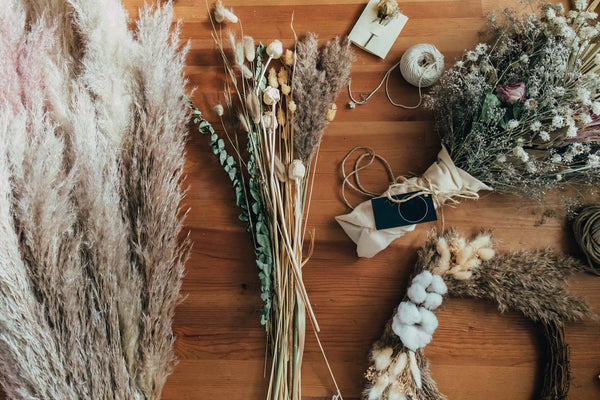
point(91, 158)
point(318, 78)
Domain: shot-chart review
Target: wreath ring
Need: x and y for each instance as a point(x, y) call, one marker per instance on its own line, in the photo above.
point(531, 282)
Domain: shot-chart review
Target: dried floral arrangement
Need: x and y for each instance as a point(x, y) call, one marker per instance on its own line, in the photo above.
point(277, 106)
point(531, 282)
point(520, 113)
point(92, 133)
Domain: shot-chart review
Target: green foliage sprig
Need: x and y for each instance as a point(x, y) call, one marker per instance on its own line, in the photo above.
point(248, 199)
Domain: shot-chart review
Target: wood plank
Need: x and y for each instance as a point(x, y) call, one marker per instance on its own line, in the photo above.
point(476, 353)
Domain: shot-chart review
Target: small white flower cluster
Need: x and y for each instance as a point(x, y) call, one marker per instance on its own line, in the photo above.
point(544, 71)
point(521, 154)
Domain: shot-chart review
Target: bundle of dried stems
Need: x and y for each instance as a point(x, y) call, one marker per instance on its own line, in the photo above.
point(273, 120)
point(92, 130)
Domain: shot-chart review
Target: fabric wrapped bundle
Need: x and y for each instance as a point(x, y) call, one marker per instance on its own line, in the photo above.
point(443, 180)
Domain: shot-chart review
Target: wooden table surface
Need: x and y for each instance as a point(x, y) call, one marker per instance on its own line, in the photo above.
point(477, 353)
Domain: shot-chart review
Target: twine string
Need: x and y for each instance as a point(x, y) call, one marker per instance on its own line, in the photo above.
point(423, 185)
point(421, 66)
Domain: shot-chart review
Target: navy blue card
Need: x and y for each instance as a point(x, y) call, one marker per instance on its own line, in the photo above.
point(389, 214)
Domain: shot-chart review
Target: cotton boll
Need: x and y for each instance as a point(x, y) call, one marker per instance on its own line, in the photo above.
point(408, 313)
point(379, 387)
point(486, 253)
point(438, 285)
point(382, 358)
point(423, 279)
point(429, 321)
point(416, 293)
point(399, 365)
point(463, 255)
point(396, 394)
point(412, 337)
point(432, 301)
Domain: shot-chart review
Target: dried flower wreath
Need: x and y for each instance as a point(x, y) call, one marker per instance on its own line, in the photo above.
point(532, 282)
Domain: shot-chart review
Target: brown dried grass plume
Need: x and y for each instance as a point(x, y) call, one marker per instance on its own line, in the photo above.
point(91, 159)
point(318, 78)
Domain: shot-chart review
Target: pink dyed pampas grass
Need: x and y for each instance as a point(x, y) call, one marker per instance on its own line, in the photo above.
point(92, 130)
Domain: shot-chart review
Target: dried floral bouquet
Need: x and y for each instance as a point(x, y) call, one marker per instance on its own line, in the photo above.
point(521, 112)
point(277, 105)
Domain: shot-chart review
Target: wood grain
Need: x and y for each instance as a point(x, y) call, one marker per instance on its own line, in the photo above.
point(476, 353)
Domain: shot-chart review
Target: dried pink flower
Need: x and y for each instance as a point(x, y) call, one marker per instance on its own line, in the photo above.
point(511, 93)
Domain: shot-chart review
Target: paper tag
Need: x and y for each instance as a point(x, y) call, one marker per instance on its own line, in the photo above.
point(373, 36)
point(389, 214)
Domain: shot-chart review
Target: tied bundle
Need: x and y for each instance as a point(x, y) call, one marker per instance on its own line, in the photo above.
point(92, 129)
point(519, 113)
point(277, 106)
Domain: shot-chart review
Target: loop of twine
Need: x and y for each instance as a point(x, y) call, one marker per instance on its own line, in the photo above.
point(423, 185)
point(421, 66)
point(586, 228)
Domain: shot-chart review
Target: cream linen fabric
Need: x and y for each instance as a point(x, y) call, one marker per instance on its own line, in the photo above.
point(446, 181)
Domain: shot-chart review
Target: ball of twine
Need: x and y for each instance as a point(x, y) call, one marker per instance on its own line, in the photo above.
point(422, 65)
point(586, 228)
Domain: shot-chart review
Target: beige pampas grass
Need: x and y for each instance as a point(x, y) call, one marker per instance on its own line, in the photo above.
point(92, 128)
point(319, 77)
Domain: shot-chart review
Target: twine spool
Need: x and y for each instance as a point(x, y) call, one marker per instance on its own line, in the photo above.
point(586, 228)
point(422, 65)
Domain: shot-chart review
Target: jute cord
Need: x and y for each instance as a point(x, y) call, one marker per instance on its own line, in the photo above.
point(586, 229)
point(422, 186)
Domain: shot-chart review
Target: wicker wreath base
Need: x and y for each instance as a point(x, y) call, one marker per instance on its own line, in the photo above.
point(531, 282)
